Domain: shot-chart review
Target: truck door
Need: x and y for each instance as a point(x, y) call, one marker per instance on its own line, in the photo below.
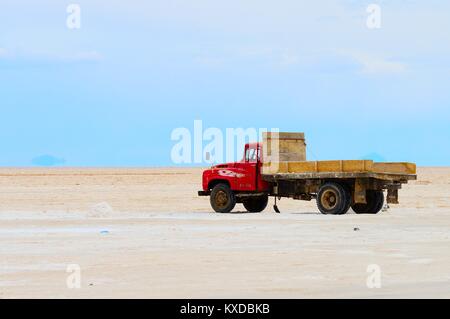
point(246, 173)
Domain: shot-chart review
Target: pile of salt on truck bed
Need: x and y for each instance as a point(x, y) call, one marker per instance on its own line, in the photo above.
point(278, 167)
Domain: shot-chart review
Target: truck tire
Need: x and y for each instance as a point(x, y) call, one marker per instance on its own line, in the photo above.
point(375, 200)
point(333, 198)
point(349, 198)
point(222, 198)
point(256, 204)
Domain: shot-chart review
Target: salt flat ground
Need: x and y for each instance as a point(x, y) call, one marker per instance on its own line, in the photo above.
point(144, 233)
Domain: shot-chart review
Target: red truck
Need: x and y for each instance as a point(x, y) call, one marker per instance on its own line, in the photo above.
point(336, 189)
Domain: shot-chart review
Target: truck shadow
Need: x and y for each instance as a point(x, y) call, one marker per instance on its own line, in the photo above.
point(240, 212)
point(306, 213)
point(269, 212)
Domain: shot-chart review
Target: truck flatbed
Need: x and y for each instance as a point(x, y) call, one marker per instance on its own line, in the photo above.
point(395, 177)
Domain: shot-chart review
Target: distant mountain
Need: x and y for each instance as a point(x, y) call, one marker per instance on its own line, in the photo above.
point(47, 160)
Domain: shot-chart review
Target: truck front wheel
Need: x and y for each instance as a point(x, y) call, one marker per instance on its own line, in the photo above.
point(374, 199)
point(256, 204)
point(222, 198)
point(333, 198)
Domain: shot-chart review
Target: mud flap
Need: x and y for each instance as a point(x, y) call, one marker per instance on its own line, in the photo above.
point(392, 196)
point(275, 207)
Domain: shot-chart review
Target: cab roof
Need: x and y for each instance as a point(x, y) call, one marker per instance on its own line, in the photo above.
point(253, 145)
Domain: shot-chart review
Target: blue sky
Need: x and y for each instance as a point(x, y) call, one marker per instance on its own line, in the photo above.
point(110, 93)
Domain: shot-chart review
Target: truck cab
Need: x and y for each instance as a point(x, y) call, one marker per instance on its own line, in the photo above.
point(237, 182)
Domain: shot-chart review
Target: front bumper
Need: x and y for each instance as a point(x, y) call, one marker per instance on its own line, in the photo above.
point(204, 193)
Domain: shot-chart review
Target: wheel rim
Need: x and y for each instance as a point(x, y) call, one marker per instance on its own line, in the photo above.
point(221, 199)
point(329, 199)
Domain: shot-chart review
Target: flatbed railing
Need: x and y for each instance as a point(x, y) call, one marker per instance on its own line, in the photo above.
point(340, 175)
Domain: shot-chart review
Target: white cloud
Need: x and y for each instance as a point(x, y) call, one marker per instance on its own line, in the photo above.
point(288, 59)
point(85, 56)
point(3, 53)
point(211, 62)
point(256, 54)
point(372, 64)
point(281, 57)
point(49, 57)
point(254, 51)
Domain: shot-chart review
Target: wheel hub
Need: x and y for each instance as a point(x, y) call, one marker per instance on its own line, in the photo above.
point(221, 199)
point(329, 199)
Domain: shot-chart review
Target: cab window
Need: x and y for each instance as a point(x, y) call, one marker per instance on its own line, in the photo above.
point(251, 155)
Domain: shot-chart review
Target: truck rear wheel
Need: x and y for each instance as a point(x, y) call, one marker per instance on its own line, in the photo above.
point(333, 198)
point(222, 198)
point(256, 204)
point(375, 200)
